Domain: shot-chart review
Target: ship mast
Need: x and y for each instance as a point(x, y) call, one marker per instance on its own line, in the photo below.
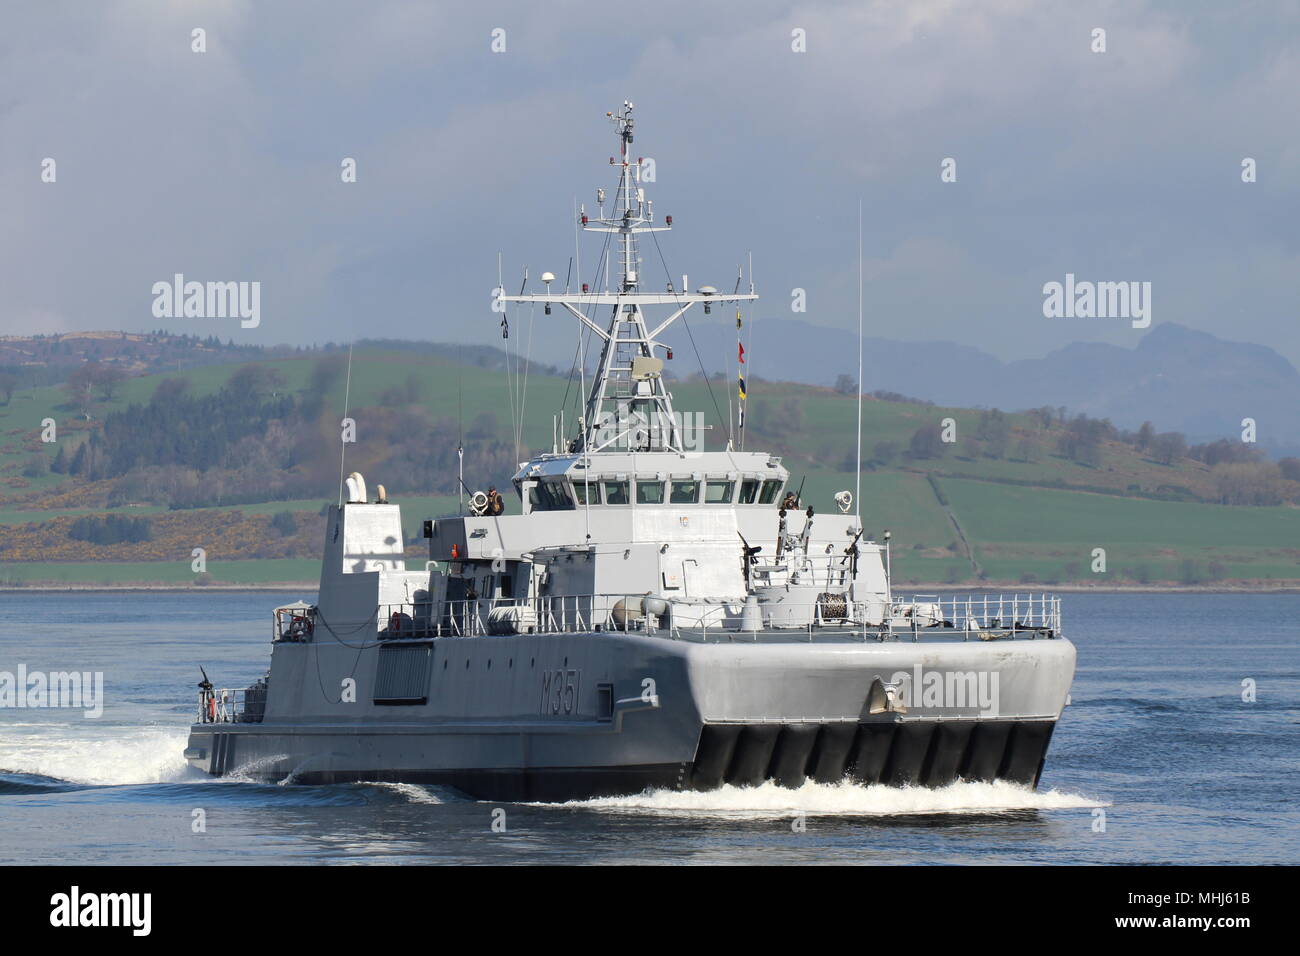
point(628, 406)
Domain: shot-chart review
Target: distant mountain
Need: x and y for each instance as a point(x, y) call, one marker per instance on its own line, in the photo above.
point(1177, 378)
point(796, 351)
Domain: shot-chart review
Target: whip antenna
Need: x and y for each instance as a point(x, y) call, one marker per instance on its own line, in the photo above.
point(857, 487)
point(343, 445)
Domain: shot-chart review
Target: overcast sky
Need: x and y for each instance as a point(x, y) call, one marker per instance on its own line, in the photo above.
point(225, 165)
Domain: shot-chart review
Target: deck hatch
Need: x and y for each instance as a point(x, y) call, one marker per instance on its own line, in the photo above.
point(402, 674)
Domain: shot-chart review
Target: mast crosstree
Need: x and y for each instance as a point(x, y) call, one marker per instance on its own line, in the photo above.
point(628, 405)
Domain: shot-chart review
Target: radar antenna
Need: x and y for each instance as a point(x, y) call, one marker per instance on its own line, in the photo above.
point(628, 405)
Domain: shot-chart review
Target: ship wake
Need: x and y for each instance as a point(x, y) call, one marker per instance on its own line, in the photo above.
point(845, 799)
point(121, 758)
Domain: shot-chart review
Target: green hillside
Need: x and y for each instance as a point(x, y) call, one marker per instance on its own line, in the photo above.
point(1011, 500)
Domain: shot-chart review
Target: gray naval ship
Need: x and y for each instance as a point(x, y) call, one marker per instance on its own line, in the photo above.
point(656, 615)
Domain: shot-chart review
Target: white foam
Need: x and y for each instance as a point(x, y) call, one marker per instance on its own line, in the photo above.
point(842, 799)
point(251, 772)
point(114, 756)
point(413, 792)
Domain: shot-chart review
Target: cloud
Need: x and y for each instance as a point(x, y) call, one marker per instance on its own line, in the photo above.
point(225, 165)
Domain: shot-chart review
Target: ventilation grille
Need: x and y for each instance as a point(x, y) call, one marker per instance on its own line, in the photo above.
point(402, 676)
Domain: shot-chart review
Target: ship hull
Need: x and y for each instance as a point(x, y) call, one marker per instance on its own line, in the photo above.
point(918, 753)
point(573, 716)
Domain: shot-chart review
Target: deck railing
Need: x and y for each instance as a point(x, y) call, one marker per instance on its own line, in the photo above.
point(978, 614)
point(232, 706)
point(972, 616)
point(294, 623)
point(830, 571)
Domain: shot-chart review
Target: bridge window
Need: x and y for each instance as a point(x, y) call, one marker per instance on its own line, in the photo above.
point(649, 492)
point(684, 492)
point(587, 493)
point(551, 495)
point(771, 488)
point(748, 491)
point(616, 493)
point(718, 492)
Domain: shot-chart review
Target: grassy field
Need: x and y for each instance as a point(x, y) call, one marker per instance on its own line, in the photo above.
point(822, 436)
point(159, 572)
point(1017, 526)
point(1052, 534)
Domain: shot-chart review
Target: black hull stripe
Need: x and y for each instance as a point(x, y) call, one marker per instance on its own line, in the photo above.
point(896, 754)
